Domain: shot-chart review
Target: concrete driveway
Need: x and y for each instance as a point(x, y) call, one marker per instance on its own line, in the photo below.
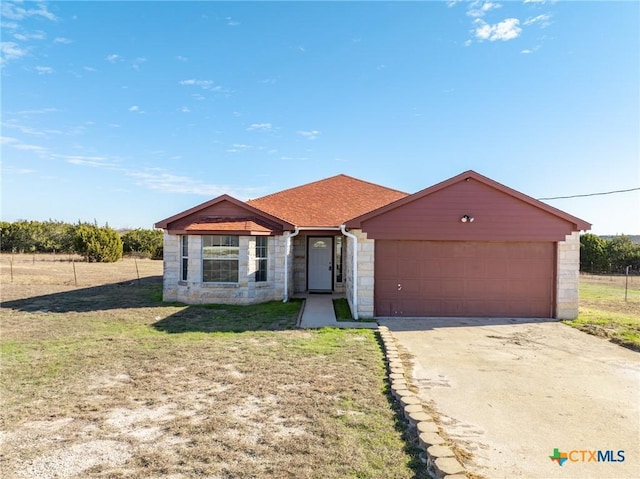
point(510, 392)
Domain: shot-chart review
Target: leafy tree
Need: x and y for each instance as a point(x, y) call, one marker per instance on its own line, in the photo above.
point(98, 244)
point(621, 252)
point(593, 253)
point(143, 241)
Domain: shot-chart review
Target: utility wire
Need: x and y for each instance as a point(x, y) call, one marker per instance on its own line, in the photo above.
point(590, 194)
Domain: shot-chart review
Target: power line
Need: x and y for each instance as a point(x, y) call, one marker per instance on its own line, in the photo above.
point(590, 194)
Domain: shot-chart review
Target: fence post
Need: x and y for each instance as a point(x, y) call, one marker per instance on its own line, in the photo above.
point(626, 282)
point(11, 267)
point(75, 278)
point(137, 272)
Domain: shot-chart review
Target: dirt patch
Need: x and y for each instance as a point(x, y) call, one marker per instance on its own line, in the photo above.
point(67, 462)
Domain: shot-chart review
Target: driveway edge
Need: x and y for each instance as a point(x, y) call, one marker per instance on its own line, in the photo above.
point(440, 458)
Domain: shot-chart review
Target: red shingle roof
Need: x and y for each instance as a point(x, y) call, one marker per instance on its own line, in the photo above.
point(228, 225)
point(328, 202)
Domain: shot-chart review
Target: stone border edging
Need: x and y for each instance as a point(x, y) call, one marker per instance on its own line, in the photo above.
point(300, 313)
point(440, 458)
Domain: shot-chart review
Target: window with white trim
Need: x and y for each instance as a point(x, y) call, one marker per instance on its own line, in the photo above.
point(220, 255)
point(262, 253)
point(184, 257)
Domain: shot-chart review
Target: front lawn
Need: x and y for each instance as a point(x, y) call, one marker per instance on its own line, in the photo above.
point(108, 381)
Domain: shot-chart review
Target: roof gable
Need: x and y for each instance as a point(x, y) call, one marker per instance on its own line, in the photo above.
point(500, 212)
point(328, 202)
point(223, 214)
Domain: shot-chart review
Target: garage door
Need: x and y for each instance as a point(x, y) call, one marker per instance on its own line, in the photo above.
point(457, 278)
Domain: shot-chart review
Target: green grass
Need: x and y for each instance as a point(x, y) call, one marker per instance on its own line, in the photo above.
point(342, 309)
point(605, 313)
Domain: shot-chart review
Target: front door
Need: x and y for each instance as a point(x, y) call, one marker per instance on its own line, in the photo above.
point(320, 266)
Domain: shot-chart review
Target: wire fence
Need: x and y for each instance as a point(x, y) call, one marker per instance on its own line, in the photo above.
point(72, 270)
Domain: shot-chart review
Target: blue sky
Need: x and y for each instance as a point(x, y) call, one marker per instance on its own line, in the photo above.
point(129, 112)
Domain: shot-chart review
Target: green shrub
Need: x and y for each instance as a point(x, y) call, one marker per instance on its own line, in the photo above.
point(142, 241)
point(98, 244)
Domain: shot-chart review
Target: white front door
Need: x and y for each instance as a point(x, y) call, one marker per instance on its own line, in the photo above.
point(320, 271)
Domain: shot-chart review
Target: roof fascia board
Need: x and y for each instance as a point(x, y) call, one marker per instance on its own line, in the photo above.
point(470, 174)
point(164, 223)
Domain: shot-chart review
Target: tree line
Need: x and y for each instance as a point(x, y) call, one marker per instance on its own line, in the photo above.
point(95, 243)
point(601, 255)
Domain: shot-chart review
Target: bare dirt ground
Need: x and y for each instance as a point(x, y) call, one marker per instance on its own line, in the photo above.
point(103, 380)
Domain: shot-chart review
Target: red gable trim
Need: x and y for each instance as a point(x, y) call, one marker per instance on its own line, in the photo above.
point(165, 224)
point(578, 224)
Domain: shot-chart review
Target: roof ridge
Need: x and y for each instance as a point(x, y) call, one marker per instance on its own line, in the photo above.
point(325, 179)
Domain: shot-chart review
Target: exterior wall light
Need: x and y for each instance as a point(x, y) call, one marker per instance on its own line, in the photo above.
point(467, 218)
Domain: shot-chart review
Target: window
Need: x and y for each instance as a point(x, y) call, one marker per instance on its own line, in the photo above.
point(338, 261)
point(262, 243)
point(184, 255)
point(220, 259)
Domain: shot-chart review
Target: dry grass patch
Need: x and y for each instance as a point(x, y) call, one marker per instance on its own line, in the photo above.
point(107, 381)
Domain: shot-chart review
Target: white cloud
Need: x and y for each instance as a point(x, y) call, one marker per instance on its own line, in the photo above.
point(185, 109)
point(9, 25)
point(11, 51)
point(113, 58)
point(451, 3)
point(232, 23)
point(542, 19)
point(62, 40)
point(201, 83)
point(15, 11)
point(205, 85)
point(135, 109)
point(181, 58)
point(44, 70)
point(309, 135)
point(137, 62)
point(93, 161)
point(170, 183)
point(528, 51)
point(507, 29)
point(40, 111)
point(260, 126)
point(480, 9)
point(19, 171)
point(7, 139)
point(25, 37)
point(25, 147)
point(89, 69)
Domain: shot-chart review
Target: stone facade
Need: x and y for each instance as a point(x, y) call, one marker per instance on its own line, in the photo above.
point(245, 291)
point(366, 257)
point(568, 277)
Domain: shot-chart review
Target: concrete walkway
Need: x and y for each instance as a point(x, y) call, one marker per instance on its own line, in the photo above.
point(318, 313)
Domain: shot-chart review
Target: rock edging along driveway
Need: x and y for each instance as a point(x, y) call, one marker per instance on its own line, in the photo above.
point(440, 458)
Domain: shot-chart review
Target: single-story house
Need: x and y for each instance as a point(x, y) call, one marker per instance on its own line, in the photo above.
point(468, 246)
